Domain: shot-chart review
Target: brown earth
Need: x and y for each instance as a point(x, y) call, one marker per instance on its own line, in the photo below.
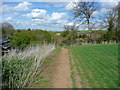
point(62, 76)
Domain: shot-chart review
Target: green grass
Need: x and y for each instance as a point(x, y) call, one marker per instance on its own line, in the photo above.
point(19, 68)
point(44, 78)
point(99, 65)
point(72, 72)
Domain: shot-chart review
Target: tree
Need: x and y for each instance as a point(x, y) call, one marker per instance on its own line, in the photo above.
point(118, 16)
point(65, 32)
point(29, 29)
point(109, 20)
point(7, 28)
point(70, 35)
point(82, 12)
point(24, 38)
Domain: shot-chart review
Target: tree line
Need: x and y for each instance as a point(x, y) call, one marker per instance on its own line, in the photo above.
point(24, 38)
point(82, 14)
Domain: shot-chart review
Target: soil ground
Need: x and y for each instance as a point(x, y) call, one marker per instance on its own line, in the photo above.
point(62, 73)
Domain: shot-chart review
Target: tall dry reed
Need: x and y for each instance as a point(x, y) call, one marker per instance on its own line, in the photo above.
point(19, 67)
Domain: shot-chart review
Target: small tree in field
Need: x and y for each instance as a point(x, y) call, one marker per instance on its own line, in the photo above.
point(82, 12)
point(70, 34)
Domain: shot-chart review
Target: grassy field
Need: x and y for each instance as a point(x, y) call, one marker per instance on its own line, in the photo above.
point(97, 66)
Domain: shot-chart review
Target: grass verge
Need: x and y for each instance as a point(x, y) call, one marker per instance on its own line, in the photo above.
point(44, 78)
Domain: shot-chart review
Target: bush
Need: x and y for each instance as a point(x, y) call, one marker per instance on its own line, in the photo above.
point(23, 39)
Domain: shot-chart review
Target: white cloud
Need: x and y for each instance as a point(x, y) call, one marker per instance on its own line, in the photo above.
point(53, 19)
point(104, 10)
point(70, 6)
point(73, 24)
point(95, 13)
point(62, 21)
point(70, 24)
point(36, 20)
point(39, 17)
point(58, 16)
point(15, 13)
point(49, 22)
point(24, 6)
point(6, 9)
point(8, 19)
point(36, 13)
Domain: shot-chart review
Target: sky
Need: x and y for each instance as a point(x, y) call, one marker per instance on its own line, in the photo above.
point(51, 16)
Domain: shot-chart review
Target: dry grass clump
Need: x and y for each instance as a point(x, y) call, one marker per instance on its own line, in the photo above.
point(19, 67)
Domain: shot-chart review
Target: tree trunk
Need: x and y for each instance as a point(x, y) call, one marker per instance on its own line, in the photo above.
point(89, 33)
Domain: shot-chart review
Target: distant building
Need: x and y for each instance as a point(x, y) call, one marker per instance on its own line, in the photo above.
point(58, 34)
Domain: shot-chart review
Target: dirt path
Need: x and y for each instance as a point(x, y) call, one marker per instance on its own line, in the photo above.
point(62, 77)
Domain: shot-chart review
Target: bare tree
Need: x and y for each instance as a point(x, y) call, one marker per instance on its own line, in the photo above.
point(82, 12)
point(109, 20)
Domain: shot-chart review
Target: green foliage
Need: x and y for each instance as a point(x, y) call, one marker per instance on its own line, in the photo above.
point(111, 35)
point(65, 33)
point(6, 28)
point(14, 70)
point(70, 35)
point(82, 36)
point(29, 29)
point(96, 65)
point(22, 39)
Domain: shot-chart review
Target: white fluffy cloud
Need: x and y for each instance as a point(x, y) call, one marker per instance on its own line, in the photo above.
point(50, 22)
point(73, 24)
point(8, 19)
point(40, 16)
point(58, 16)
point(36, 13)
point(24, 6)
point(70, 24)
point(70, 6)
